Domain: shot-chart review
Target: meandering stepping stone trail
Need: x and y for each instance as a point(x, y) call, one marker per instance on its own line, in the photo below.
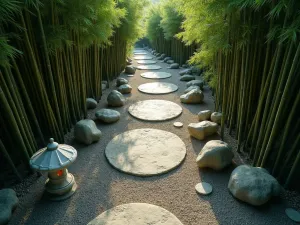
point(145, 152)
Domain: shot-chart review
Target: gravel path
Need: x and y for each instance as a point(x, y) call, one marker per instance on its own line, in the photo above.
point(101, 187)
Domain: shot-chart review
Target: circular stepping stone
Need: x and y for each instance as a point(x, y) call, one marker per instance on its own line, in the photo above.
point(145, 152)
point(146, 62)
point(155, 110)
point(293, 214)
point(143, 57)
point(158, 88)
point(156, 75)
point(203, 188)
point(140, 53)
point(178, 124)
point(136, 214)
point(148, 67)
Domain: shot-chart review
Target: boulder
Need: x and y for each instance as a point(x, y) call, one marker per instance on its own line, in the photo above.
point(198, 83)
point(193, 97)
point(91, 103)
point(253, 185)
point(128, 63)
point(202, 129)
point(215, 155)
point(107, 115)
point(8, 202)
point(129, 70)
point(86, 132)
point(191, 88)
point(216, 117)
point(184, 66)
point(196, 70)
point(104, 85)
point(121, 81)
point(167, 59)
point(187, 77)
point(115, 99)
point(125, 89)
point(204, 115)
point(171, 61)
point(174, 66)
point(185, 71)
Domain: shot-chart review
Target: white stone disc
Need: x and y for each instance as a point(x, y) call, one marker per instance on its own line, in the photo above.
point(143, 57)
point(203, 188)
point(158, 88)
point(136, 214)
point(156, 75)
point(145, 152)
point(178, 124)
point(140, 53)
point(155, 110)
point(146, 62)
point(148, 67)
point(293, 214)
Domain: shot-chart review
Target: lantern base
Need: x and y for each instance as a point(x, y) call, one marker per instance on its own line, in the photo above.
point(63, 197)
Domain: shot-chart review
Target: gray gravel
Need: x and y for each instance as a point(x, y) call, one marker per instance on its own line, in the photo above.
point(101, 187)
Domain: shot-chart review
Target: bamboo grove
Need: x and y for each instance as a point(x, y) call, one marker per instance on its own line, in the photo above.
point(163, 22)
point(249, 51)
point(53, 55)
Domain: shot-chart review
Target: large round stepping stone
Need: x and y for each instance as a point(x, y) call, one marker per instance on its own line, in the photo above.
point(158, 88)
point(146, 62)
point(140, 53)
point(148, 67)
point(143, 57)
point(136, 214)
point(145, 152)
point(293, 214)
point(155, 110)
point(156, 75)
point(203, 188)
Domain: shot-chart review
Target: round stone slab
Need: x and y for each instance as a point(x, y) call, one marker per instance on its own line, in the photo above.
point(158, 88)
point(155, 110)
point(156, 75)
point(143, 57)
point(146, 62)
point(140, 53)
point(136, 214)
point(148, 67)
point(145, 152)
point(203, 188)
point(293, 214)
point(178, 124)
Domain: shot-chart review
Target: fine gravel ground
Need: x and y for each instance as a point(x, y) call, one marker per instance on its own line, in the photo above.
point(101, 187)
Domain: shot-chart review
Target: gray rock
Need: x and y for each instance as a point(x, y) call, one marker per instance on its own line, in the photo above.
point(187, 77)
point(125, 89)
point(253, 185)
point(107, 115)
point(293, 214)
point(91, 103)
point(103, 87)
point(121, 81)
point(86, 132)
point(167, 59)
point(202, 129)
point(216, 117)
point(196, 70)
point(129, 70)
point(204, 115)
point(193, 97)
point(115, 98)
point(184, 66)
point(191, 88)
point(8, 202)
point(215, 155)
point(186, 71)
point(174, 66)
point(128, 63)
point(171, 61)
point(198, 83)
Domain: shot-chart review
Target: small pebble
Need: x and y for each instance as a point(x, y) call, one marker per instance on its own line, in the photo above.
point(178, 124)
point(293, 214)
point(203, 188)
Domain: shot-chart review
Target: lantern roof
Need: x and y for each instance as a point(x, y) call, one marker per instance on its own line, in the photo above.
point(55, 156)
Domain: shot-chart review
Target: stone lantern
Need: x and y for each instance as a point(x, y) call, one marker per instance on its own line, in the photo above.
point(55, 159)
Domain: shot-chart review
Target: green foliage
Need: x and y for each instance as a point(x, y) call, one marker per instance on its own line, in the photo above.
point(154, 18)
